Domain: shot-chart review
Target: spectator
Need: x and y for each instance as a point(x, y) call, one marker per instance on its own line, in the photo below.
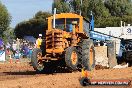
point(17, 56)
point(25, 50)
point(39, 41)
point(14, 47)
point(8, 46)
point(30, 52)
point(8, 53)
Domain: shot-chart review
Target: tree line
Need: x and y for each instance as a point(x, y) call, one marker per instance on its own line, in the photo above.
point(32, 27)
point(106, 13)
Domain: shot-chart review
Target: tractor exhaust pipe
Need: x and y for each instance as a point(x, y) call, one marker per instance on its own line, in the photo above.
point(54, 18)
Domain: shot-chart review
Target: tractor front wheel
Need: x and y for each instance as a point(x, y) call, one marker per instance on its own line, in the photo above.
point(36, 61)
point(71, 57)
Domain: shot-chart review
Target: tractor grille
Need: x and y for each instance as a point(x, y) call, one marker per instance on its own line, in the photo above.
point(54, 39)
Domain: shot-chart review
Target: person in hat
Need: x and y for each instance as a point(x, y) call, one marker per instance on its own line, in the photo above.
point(39, 41)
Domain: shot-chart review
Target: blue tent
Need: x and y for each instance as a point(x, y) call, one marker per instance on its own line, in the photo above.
point(30, 38)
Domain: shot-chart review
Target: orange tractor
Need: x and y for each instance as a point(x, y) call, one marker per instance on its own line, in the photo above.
point(68, 43)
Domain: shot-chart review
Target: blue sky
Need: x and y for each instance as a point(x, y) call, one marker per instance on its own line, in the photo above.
point(21, 10)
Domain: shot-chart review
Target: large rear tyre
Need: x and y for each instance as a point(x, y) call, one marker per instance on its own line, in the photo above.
point(129, 63)
point(37, 64)
point(71, 57)
point(87, 54)
point(111, 50)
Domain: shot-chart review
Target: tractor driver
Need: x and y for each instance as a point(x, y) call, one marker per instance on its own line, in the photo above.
point(39, 41)
point(69, 27)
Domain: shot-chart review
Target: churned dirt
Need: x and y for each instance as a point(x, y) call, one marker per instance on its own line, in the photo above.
point(22, 75)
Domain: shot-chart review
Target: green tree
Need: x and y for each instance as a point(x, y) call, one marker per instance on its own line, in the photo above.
point(119, 7)
point(76, 5)
point(42, 15)
point(108, 22)
point(61, 6)
point(5, 19)
point(98, 8)
point(106, 12)
point(32, 27)
point(85, 11)
point(8, 35)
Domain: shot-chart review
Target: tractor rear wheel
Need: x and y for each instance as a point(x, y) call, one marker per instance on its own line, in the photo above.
point(71, 57)
point(36, 61)
point(111, 51)
point(87, 54)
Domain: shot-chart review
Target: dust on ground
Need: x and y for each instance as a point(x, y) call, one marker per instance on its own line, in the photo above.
point(22, 75)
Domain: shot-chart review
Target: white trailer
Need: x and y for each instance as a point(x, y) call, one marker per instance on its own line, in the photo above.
point(123, 38)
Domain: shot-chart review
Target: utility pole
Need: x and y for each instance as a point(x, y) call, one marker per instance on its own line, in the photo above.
point(80, 8)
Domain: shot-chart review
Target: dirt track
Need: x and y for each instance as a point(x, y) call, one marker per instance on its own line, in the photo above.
point(22, 75)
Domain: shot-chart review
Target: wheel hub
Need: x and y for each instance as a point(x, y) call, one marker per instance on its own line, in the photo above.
point(40, 62)
point(39, 56)
point(74, 57)
point(40, 65)
point(91, 56)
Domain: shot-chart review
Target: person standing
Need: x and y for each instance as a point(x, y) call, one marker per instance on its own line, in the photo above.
point(14, 47)
point(8, 55)
point(39, 41)
point(30, 52)
point(18, 44)
point(17, 56)
point(25, 50)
